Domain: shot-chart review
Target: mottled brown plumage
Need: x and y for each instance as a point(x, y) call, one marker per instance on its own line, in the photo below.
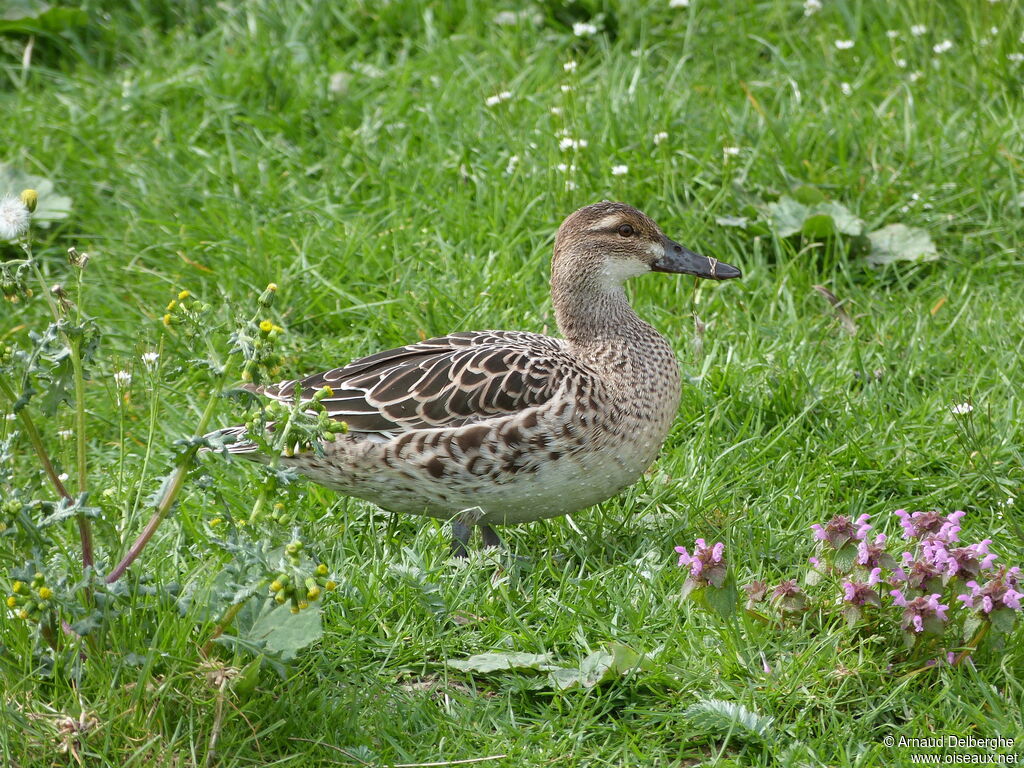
point(505, 427)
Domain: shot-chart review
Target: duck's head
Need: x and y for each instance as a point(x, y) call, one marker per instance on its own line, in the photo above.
point(615, 241)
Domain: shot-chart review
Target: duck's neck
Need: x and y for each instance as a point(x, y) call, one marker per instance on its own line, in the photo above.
point(591, 310)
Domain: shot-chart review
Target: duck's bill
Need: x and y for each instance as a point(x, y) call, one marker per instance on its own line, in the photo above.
point(682, 260)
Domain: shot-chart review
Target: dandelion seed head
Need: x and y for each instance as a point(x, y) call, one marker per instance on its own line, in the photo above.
point(14, 217)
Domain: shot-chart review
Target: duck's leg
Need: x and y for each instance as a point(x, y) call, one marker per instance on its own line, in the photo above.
point(491, 539)
point(460, 538)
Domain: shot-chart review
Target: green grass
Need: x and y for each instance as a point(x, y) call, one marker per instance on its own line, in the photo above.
point(205, 149)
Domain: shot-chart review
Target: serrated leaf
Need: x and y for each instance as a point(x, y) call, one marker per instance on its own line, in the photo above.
point(485, 663)
point(898, 242)
point(727, 717)
point(285, 633)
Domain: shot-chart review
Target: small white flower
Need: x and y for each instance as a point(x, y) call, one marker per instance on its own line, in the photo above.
point(492, 101)
point(122, 379)
point(945, 45)
point(566, 167)
point(730, 151)
point(506, 18)
point(10, 417)
point(915, 76)
point(570, 66)
point(846, 88)
point(584, 29)
point(993, 31)
point(620, 170)
point(1008, 503)
point(66, 434)
point(63, 477)
point(844, 45)
point(568, 143)
point(918, 29)
point(901, 63)
point(961, 409)
point(512, 163)
point(678, 3)
point(570, 184)
point(14, 218)
point(149, 359)
point(659, 137)
point(892, 34)
point(1016, 58)
point(811, 7)
point(565, 87)
point(556, 111)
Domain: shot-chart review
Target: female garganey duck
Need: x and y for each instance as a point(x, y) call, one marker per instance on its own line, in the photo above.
point(505, 427)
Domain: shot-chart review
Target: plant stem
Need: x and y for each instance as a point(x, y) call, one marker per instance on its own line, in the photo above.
point(84, 527)
point(37, 443)
point(167, 500)
point(973, 645)
point(224, 623)
point(274, 461)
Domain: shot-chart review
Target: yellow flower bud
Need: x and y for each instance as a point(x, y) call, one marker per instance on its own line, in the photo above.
point(276, 586)
point(313, 593)
point(12, 601)
point(19, 588)
point(303, 606)
point(183, 295)
point(167, 320)
point(271, 287)
point(23, 614)
point(330, 586)
point(266, 326)
point(321, 570)
point(172, 304)
point(30, 198)
point(45, 593)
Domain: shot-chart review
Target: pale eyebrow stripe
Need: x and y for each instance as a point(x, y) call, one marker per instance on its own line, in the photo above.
point(606, 222)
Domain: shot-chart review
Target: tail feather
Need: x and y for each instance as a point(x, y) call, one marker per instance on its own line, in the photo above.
point(232, 440)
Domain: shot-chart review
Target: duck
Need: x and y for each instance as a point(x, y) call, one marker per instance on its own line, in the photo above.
point(494, 428)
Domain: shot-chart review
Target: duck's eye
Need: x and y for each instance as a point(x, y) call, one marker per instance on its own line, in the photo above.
point(626, 230)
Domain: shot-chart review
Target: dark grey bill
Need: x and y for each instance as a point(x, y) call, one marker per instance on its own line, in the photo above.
point(682, 260)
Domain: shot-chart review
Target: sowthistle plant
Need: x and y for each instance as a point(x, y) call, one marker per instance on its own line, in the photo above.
point(67, 598)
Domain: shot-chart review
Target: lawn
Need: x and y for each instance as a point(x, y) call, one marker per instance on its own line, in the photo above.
point(398, 170)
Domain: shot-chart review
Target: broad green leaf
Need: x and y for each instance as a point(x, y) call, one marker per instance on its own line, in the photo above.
point(898, 242)
point(722, 600)
point(1002, 620)
point(845, 557)
point(787, 216)
point(285, 633)
point(818, 226)
point(822, 219)
point(28, 17)
point(496, 662)
point(808, 195)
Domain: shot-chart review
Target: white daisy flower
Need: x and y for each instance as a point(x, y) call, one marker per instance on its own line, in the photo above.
point(620, 170)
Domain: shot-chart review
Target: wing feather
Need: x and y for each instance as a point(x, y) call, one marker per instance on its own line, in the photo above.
point(447, 381)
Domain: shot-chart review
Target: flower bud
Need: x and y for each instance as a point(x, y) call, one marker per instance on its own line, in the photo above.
point(30, 198)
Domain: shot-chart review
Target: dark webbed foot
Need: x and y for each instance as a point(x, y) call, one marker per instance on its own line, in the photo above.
point(491, 539)
point(461, 534)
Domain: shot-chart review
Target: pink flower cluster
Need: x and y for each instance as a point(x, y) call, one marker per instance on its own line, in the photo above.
point(1000, 592)
point(841, 529)
point(917, 525)
point(919, 610)
point(707, 565)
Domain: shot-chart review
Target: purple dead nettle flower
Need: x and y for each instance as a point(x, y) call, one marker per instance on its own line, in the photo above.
point(873, 556)
point(706, 563)
point(862, 593)
point(841, 529)
point(789, 598)
point(959, 561)
point(999, 592)
point(916, 525)
point(920, 610)
point(920, 574)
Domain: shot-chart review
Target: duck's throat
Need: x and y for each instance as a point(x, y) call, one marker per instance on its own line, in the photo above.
point(589, 314)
